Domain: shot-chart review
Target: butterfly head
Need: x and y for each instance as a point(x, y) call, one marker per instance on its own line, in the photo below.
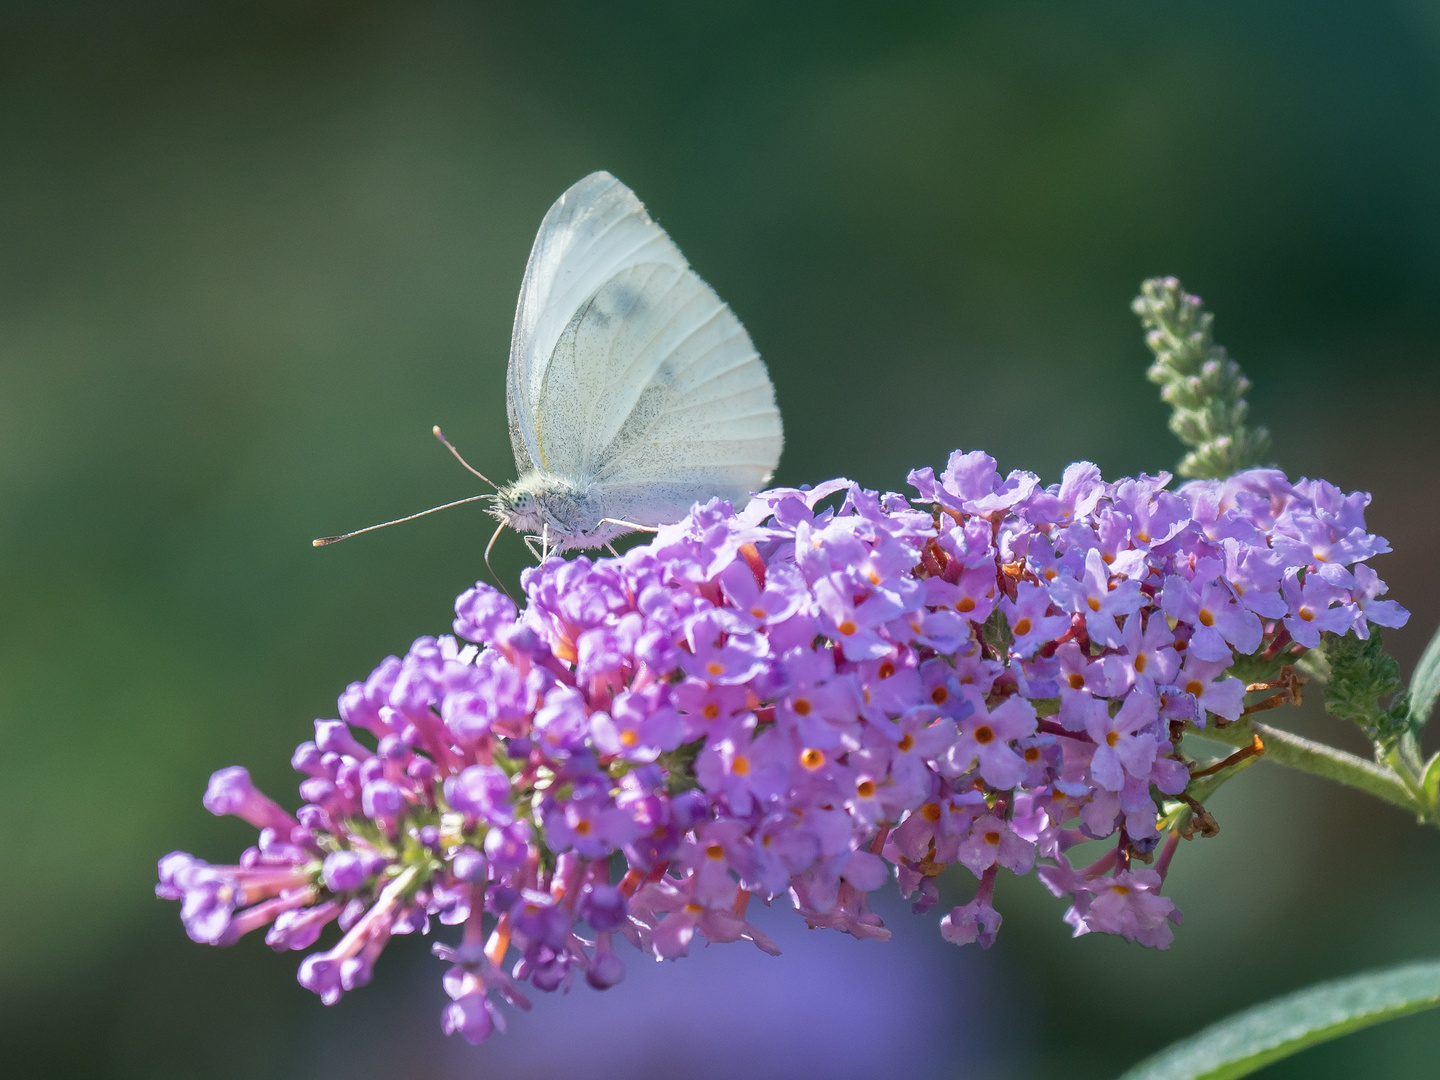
point(517, 507)
point(538, 505)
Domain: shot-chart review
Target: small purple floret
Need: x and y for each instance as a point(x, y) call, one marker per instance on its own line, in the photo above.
point(232, 792)
point(481, 791)
point(343, 872)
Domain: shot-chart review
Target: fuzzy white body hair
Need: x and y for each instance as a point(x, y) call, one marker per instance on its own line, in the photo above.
point(562, 514)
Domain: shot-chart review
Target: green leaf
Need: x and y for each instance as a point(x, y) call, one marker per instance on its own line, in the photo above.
point(1242, 1043)
point(996, 632)
point(1425, 683)
point(1430, 782)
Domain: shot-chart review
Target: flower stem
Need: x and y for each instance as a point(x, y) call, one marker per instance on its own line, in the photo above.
point(1307, 755)
point(1407, 775)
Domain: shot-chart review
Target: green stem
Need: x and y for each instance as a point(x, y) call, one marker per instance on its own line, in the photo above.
point(1401, 768)
point(1297, 752)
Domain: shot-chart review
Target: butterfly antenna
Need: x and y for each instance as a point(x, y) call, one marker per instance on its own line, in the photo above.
point(493, 537)
point(446, 443)
point(325, 541)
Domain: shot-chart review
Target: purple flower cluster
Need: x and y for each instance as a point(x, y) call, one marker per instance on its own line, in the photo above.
point(791, 700)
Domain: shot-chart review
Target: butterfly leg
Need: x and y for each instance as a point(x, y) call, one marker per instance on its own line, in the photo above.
point(495, 536)
point(530, 546)
point(630, 525)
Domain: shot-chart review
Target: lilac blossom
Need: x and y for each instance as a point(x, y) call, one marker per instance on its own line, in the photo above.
point(231, 792)
point(985, 743)
point(1367, 608)
point(1310, 605)
point(1029, 623)
point(795, 701)
point(1148, 655)
point(972, 922)
point(1097, 599)
point(1220, 624)
point(1126, 743)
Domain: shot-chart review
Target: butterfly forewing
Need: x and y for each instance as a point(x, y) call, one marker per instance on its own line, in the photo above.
point(594, 230)
point(651, 393)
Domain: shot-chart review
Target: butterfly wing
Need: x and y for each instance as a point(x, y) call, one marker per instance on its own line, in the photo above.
point(652, 391)
point(593, 231)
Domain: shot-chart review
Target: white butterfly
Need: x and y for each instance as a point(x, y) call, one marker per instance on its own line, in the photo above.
point(633, 391)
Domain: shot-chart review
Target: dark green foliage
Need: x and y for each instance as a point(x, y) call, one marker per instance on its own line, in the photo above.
point(1200, 382)
point(1425, 683)
point(996, 632)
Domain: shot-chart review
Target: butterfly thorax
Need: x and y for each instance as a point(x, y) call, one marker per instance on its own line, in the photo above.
point(564, 514)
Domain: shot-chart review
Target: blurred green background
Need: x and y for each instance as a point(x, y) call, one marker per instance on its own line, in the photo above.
point(250, 252)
